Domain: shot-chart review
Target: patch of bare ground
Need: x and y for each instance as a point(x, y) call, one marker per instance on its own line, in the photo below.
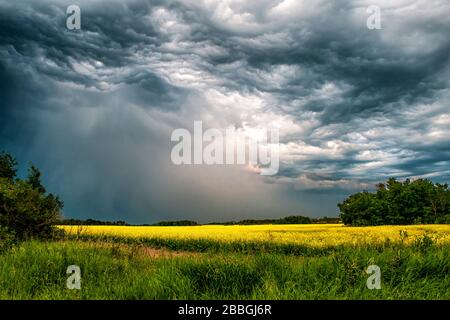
point(164, 253)
point(139, 250)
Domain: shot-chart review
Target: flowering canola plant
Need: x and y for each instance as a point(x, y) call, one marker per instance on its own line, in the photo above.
point(314, 235)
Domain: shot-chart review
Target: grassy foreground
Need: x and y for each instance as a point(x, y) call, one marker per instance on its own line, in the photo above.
point(114, 267)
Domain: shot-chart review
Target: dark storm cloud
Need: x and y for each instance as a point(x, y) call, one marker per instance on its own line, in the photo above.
point(95, 107)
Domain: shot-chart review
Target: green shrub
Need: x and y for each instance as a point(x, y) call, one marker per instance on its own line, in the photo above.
point(26, 209)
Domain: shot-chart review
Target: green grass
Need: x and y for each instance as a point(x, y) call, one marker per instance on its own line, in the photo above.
point(37, 270)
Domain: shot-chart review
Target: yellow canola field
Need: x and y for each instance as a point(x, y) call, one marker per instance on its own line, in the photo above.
point(315, 235)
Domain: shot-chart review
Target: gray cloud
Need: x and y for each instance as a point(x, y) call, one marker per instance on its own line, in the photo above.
point(95, 107)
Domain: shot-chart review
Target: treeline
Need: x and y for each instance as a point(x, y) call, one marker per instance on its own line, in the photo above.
point(91, 222)
point(176, 223)
point(285, 220)
point(410, 202)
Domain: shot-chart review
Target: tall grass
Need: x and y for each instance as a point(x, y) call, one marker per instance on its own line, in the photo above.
point(111, 270)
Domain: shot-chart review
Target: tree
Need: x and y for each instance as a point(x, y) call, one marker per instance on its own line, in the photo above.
point(362, 209)
point(26, 210)
point(7, 166)
point(440, 200)
point(34, 179)
point(396, 202)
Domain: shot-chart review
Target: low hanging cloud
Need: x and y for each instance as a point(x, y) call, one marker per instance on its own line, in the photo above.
point(95, 108)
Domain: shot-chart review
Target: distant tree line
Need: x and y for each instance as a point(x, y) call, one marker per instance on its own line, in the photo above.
point(91, 222)
point(285, 220)
point(27, 210)
point(410, 202)
point(176, 223)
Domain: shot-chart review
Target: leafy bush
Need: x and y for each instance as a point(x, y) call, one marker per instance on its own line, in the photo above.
point(26, 209)
point(7, 239)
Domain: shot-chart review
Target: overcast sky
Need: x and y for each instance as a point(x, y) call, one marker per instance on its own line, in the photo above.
point(94, 108)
